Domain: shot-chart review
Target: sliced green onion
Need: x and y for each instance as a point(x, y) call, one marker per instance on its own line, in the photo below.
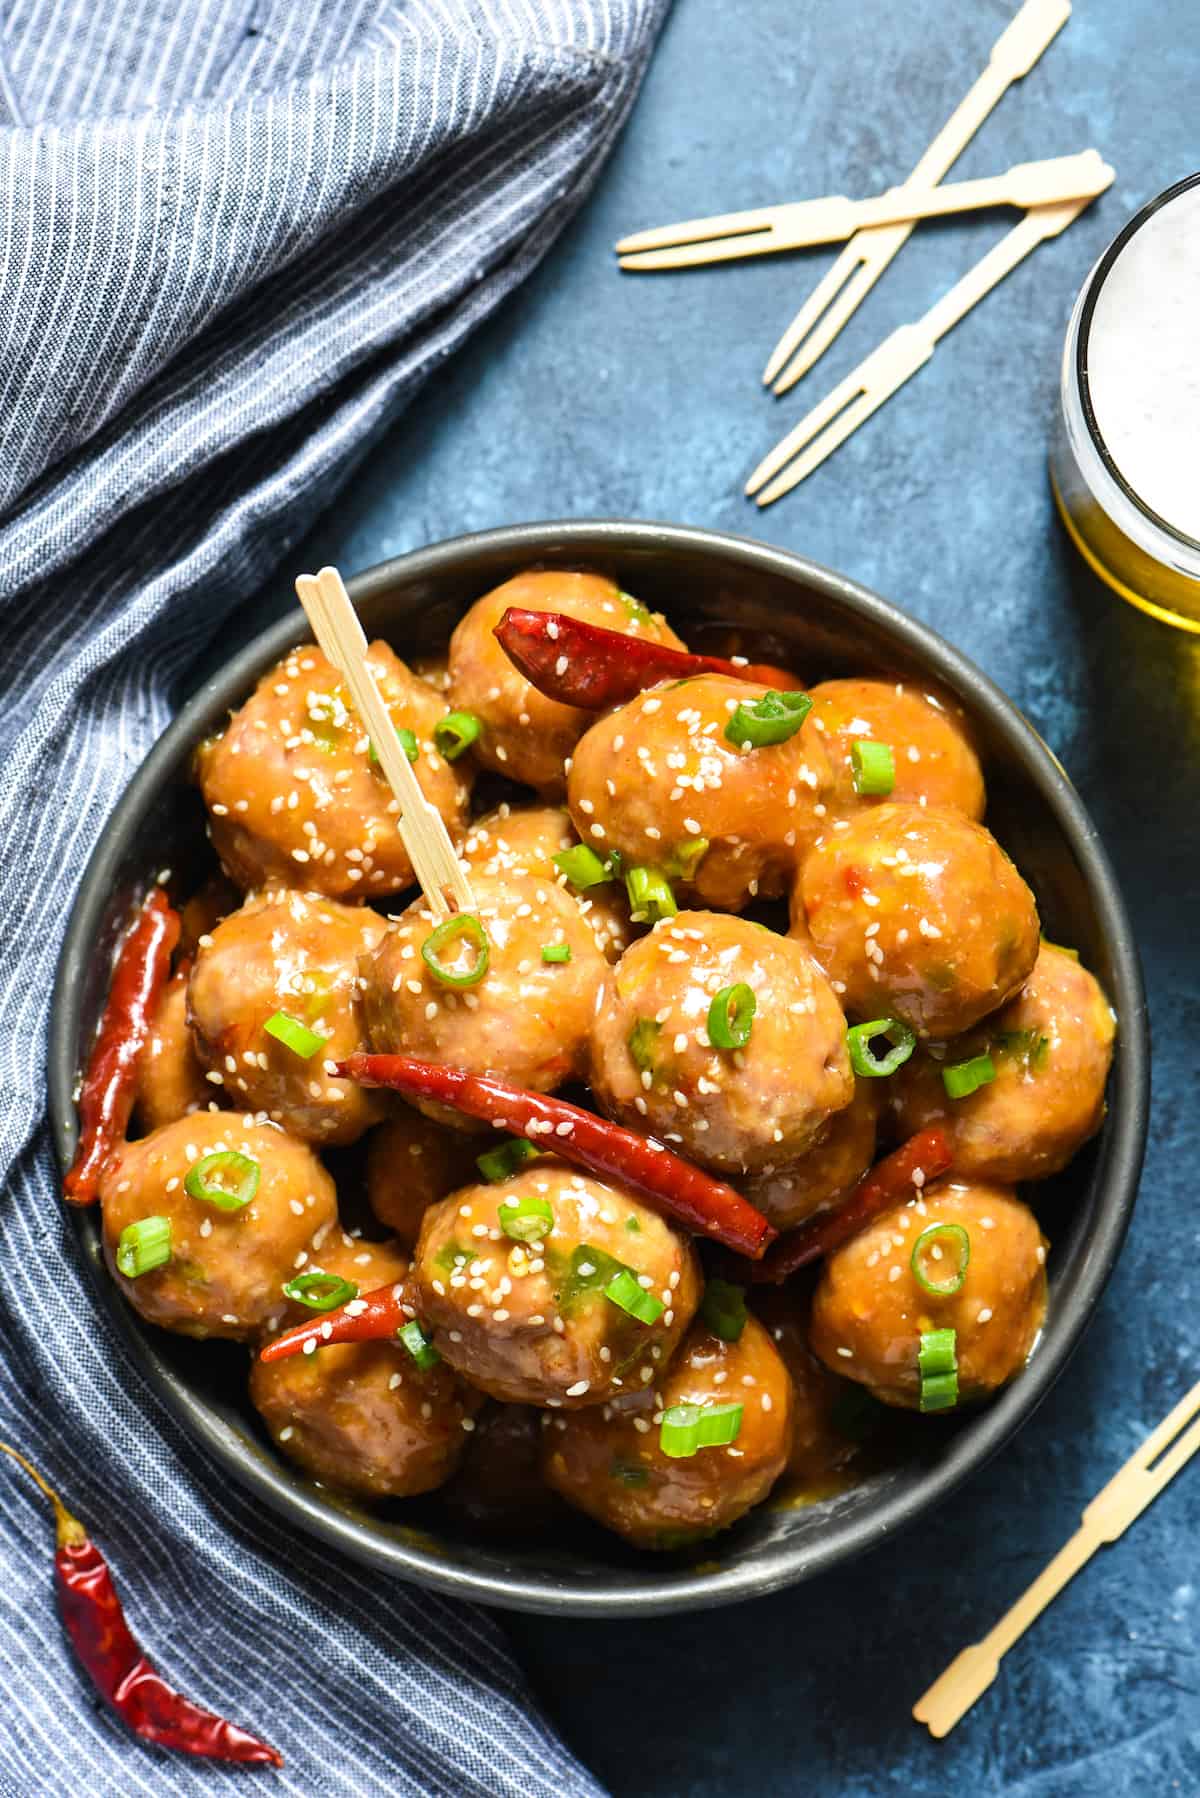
point(452, 1257)
point(731, 1016)
point(772, 719)
point(464, 925)
point(966, 1077)
point(632, 1225)
point(686, 1429)
point(650, 894)
point(583, 867)
point(641, 1044)
point(937, 1361)
point(527, 1220)
point(499, 1163)
point(686, 857)
point(556, 951)
point(203, 1179)
point(625, 1291)
point(320, 1292)
point(418, 1345)
point(724, 1309)
point(455, 733)
point(589, 1271)
point(635, 608)
point(872, 768)
point(408, 743)
point(143, 1246)
point(1029, 1046)
point(930, 1242)
point(294, 1035)
point(940, 1392)
point(863, 1059)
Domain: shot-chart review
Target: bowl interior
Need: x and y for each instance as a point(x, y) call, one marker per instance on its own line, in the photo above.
point(824, 625)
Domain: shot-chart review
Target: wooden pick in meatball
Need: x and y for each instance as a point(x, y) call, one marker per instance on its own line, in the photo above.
point(223, 1209)
point(611, 1463)
point(722, 1037)
point(293, 794)
point(411, 1164)
point(273, 1003)
point(551, 1288)
point(525, 735)
point(364, 1416)
point(1049, 1050)
point(925, 731)
point(660, 781)
point(827, 1172)
point(526, 838)
point(918, 914)
point(872, 1308)
point(171, 1080)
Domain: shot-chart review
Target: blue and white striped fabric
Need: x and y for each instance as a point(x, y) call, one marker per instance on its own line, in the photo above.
point(235, 236)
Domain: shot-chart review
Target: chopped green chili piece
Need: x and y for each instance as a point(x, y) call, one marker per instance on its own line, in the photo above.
point(455, 733)
point(226, 1179)
point(463, 925)
point(860, 1041)
point(723, 1309)
point(556, 951)
point(320, 1291)
point(626, 1291)
point(583, 867)
point(408, 743)
point(872, 768)
point(933, 1245)
point(686, 1429)
point(641, 1044)
point(772, 719)
point(294, 1035)
point(966, 1077)
point(418, 1345)
point(650, 895)
point(731, 1016)
point(499, 1163)
point(143, 1246)
point(527, 1220)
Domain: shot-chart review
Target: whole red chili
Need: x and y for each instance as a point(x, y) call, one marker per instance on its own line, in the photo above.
point(368, 1318)
point(105, 1648)
point(585, 665)
point(106, 1094)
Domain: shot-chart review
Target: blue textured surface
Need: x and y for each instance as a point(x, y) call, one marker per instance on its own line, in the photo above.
point(590, 395)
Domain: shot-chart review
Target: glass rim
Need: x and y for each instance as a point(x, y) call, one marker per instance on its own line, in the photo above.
point(1091, 296)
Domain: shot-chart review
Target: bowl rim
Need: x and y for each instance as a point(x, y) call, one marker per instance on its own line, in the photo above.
point(649, 1590)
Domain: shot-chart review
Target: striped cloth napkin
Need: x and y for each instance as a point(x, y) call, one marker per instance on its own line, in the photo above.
point(235, 236)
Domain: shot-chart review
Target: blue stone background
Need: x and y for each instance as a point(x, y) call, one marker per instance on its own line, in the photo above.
point(597, 394)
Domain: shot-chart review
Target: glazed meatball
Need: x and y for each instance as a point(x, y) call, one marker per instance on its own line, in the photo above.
point(525, 735)
point(363, 1415)
point(203, 912)
point(499, 1489)
point(528, 837)
point(170, 1079)
point(918, 914)
point(925, 730)
point(526, 1017)
point(822, 1454)
point(794, 1191)
point(658, 780)
point(529, 1321)
point(655, 1065)
point(295, 953)
point(293, 795)
point(227, 1267)
point(870, 1310)
point(411, 1163)
point(609, 1461)
point(1051, 1048)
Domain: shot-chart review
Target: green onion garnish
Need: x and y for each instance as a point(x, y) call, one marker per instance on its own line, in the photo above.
point(294, 1035)
point(408, 743)
point(465, 925)
point(583, 867)
point(143, 1246)
point(625, 1291)
point(635, 608)
point(772, 719)
point(723, 1309)
point(731, 1016)
point(937, 1360)
point(418, 1345)
point(650, 894)
point(556, 951)
point(686, 857)
point(860, 1040)
point(499, 1163)
point(455, 733)
point(872, 768)
point(930, 1243)
point(686, 1429)
point(966, 1077)
point(640, 1043)
point(527, 1220)
point(320, 1292)
point(237, 1188)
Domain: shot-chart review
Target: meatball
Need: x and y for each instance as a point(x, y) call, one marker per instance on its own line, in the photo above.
point(530, 1321)
point(528, 837)
point(170, 1079)
point(411, 1163)
point(526, 1017)
point(295, 953)
point(499, 1489)
point(203, 912)
point(609, 1461)
point(790, 1193)
point(654, 1064)
point(1051, 1048)
point(919, 914)
point(870, 1310)
point(823, 1455)
point(924, 729)
point(227, 1267)
point(658, 780)
point(293, 795)
point(525, 735)
point(363, 1415)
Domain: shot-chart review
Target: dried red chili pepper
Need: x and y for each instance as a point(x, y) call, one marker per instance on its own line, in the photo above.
point(368, 1318)
point(106, 1094)
point(585, 665)
point(890, 1182)
point(692, 1198)
point(104, 1645)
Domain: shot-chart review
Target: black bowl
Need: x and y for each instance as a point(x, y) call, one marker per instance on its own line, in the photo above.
point(827, 625)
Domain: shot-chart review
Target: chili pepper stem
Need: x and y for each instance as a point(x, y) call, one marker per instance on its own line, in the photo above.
point(69, 1532)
